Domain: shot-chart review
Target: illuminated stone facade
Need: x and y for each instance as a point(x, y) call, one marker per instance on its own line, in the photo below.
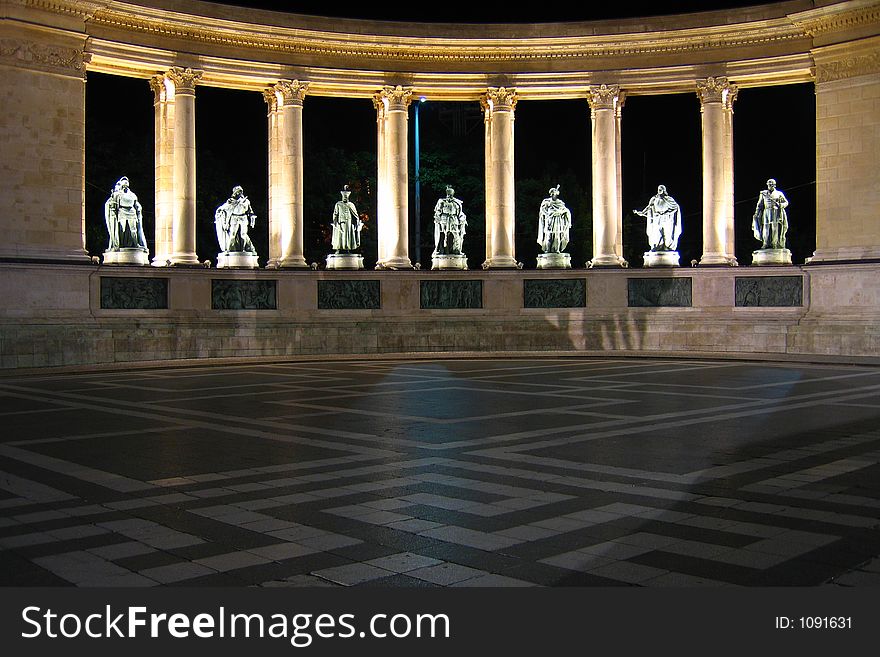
point(47, 49)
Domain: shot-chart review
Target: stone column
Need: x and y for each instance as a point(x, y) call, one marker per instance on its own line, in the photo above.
point(163, 149)
point(499, 104)
point(183, 227)
point(605, 112)
point(847, 153)
point(42, 143)
point(490, 212)
point(285, 101)
point(716, 105)
point(392, 107)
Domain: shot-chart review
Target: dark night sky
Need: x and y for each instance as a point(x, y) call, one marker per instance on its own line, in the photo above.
point(774, 136)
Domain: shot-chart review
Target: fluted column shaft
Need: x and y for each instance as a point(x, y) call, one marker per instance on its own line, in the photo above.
point(716, 106)
point(605, 112)
point(183, 227)
point(500, 103)
point(285, 101)
point(392, 107)
point(163, 149)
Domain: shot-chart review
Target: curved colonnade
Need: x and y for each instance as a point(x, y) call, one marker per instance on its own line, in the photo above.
point(47, 49)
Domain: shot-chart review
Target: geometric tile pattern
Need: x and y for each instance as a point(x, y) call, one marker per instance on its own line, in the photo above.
point(422, 473)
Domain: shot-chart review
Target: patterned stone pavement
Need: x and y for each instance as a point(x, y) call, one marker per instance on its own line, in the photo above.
point(482, 472)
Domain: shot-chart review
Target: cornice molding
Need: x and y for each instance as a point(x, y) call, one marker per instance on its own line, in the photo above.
point(838, 18)
point(288, 41)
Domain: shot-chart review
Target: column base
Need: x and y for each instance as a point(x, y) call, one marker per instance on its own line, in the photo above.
point(161, 260)
point(502, 262)
point(292, 262)
point(345, 261)
point(449, 261)
point(771, 257)
point(401, 262)
point(718, 260)
point(661, 259)
point(237, 260)
point(189, 259)
point(138, 257)
point(614, 261)
point(554, 261)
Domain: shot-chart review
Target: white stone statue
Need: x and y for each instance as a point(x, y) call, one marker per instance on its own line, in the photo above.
point(664, 221)
point(450, 225)
point(770, 225)
point(124, 218)
point(346, 228)
point(232, 220)
point(770, 222)
point(663, 228)
point(346, 224)
point(554, 226)
point(554, 223)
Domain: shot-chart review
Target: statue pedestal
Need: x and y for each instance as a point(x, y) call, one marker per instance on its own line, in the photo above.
point(345, 261)
point(661, 259)
point(449, 261)
point(771, 257)
point(554, 261)
point(127, 257)
point(237, 260)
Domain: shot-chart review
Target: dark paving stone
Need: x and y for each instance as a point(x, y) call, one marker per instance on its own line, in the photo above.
point(177, 452)
point(16, 570)
point(697, 567)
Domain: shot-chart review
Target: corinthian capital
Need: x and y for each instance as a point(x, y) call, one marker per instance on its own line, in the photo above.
point(184, 79)
point(290, 92)
point(717, 90)
point(397, 98)
point(499, 98)
point(605, 97)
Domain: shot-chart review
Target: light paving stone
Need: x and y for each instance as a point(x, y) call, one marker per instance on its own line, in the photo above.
point(527, 532)
point(80, 566)
point(297, 581)
point(268, 525)
point(403, 562)
point(579, 561)
point(78, 531)
point(414, 526)
point(296, 533)
point(493, 581)
point(351, 574)
point(615, 550)
point(282, 551)
point(858, 578)
point(176, 572)
point(470, 537)
point(232, 561)
point(23, 540)
point(388, 504)
point(382, 517)
point(683, 580)
point(122, 550)
point(446, 574)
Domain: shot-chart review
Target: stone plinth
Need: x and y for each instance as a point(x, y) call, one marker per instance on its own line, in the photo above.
point(554, 261)
point(345, 261)
point(661, 259)
point(237, 260)
point(771, 257)
point(127, 257)
point(449, 261)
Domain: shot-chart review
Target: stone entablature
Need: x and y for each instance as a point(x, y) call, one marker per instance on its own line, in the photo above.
point(251, 49)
